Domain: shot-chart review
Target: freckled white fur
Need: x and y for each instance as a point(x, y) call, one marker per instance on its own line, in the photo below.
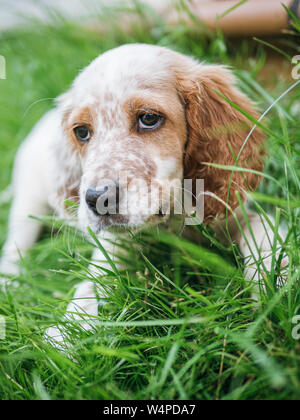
point(46, 163)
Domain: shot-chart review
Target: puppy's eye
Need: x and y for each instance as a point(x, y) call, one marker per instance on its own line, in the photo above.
point(82, 133)
point(149, 120)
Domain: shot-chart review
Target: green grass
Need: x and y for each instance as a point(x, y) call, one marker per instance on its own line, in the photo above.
point(180, 323)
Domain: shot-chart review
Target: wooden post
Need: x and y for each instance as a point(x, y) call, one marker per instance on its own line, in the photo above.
point(254, 17)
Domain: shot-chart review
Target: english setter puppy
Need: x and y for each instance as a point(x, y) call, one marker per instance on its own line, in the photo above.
point(139, 112)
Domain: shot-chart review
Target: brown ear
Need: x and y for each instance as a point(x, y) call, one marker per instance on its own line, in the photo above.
point(217, 133)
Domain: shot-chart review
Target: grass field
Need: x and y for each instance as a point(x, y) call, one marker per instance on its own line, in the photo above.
point(180, 324)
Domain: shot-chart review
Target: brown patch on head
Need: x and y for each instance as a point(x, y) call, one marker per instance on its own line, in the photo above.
point(76, 118)
point(169, 139)
point(217, 134)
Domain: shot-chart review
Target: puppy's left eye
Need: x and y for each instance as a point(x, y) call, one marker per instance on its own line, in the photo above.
point(82, 133)
point(149, 120)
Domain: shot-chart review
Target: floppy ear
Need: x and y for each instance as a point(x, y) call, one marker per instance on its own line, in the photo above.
point(217, 133)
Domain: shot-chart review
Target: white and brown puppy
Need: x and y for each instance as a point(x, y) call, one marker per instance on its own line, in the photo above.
point(154, 115)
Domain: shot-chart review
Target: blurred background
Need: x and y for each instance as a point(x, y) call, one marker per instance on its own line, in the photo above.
point(240, 351)
point(250, 17)
point(14, 12)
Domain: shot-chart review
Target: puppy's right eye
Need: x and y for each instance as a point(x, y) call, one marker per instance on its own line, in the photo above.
point(82, 133)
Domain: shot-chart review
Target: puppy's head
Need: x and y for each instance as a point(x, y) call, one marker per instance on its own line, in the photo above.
point(142, 119)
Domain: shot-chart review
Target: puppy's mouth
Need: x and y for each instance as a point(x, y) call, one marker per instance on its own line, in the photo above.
point(110, 221)
point(123, 222)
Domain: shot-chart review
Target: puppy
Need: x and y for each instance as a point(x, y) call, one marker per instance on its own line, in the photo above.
point(146, 113)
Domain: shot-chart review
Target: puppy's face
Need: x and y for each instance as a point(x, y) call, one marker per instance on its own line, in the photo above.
point(128, 125)
point(141, 118)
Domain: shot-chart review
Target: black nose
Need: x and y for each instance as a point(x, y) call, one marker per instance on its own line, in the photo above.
point(104, 200)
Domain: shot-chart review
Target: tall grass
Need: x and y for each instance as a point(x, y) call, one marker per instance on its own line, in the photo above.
point(180, 323)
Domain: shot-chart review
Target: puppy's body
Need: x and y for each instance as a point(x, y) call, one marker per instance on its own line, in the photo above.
point(154, 115)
